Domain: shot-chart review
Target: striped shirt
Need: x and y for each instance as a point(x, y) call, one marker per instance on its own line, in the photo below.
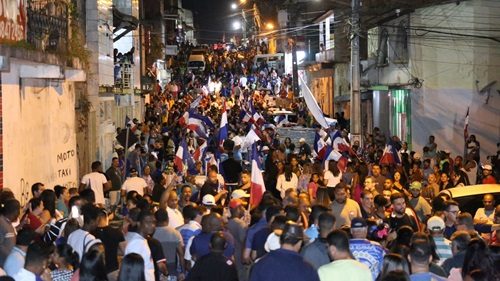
point(443, 249)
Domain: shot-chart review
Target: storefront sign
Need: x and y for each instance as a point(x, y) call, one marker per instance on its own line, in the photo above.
point(13, 20)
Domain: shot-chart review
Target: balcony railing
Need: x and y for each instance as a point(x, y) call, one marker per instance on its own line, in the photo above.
point(325, 56)
point(48, 25)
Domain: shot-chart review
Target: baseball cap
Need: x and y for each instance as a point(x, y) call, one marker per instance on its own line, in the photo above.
point(435, 223)
point(416, 185)
point(235, 203)
point(265, 148)
point(487, 167)
point(302, 140)
point(208, 200)
point(358, 222)
point(239, 193)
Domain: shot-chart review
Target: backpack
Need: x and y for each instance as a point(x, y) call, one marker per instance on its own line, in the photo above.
point(55, 231)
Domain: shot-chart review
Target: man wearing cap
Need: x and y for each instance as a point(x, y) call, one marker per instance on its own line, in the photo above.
point(367, 252)
point(134, 183)
point(304, 148)
point(238, 228)
point(343, 266)
point(285, 263)
point(488, 178)
point(422, 208)
point(435, 226)
point(208, 201)
point(239, 194)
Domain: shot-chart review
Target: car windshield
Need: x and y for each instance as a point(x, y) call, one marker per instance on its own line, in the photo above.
point(195, 64)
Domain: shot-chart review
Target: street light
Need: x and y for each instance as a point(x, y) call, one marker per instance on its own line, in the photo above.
point(236, 25)
point(269, 26)
point(234, 6)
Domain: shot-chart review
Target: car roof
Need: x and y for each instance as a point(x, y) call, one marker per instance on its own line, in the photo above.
point(470, 190)
point(283, 112)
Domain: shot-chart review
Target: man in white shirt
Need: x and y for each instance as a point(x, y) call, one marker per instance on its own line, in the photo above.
point(81, 240)
point(15, 260)
point(175, 217)
point(96, 180)
point(134, 183)
point(137, 243)
point(35, 266)
point(486, 215)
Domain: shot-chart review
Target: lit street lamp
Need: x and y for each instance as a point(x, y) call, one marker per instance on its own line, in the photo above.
point(234, 6)
point(236, 25)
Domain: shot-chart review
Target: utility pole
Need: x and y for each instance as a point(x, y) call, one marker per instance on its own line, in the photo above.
point(295, 69)
point(355, 74)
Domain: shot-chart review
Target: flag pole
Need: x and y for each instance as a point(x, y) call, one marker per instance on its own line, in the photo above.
point(126, 150)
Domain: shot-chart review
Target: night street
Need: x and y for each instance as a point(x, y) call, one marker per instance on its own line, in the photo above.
point(249, 140)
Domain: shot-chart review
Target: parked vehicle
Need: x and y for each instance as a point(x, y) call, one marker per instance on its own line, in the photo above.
point(470, 197)
point(196, 63)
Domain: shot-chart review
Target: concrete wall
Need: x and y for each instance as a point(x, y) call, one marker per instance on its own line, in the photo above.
point(38, 131)
point(452, 68)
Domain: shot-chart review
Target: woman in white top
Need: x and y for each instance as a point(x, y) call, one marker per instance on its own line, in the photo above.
point(333, 175)
point(286, 181)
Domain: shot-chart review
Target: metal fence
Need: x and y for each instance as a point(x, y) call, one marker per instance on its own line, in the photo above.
point(48, 25)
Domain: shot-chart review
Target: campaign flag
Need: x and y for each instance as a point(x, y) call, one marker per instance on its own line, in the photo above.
point(466, 125)
point(223, 125)
point(178, 159)
point(183, 160)
point(183, 120)
point(129, 123)
point(196, 102)
point(390, 155)
point(200, 150)
point(250, 139)
point(313, 106)
point(320, 145)
point(206, 121)
point(280, 120)
point(257, 187)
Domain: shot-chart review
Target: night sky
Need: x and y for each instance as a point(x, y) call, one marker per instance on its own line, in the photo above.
point(212, 18)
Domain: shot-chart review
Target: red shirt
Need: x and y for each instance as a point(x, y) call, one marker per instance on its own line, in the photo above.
point(35, 222)
point(489, 180)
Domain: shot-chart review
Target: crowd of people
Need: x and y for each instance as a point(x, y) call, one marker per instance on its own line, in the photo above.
point(181, 204)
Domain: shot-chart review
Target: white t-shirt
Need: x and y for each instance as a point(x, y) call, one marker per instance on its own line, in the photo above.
point(135, 184)
point(482, 214)
point(137, 244)
point(81, 241)
point(331, 180)
point(282, 185)
point(24, 275)
point(96, 182)
point(175, 218)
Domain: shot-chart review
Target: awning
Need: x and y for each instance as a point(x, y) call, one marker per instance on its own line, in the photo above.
point(123, 21)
